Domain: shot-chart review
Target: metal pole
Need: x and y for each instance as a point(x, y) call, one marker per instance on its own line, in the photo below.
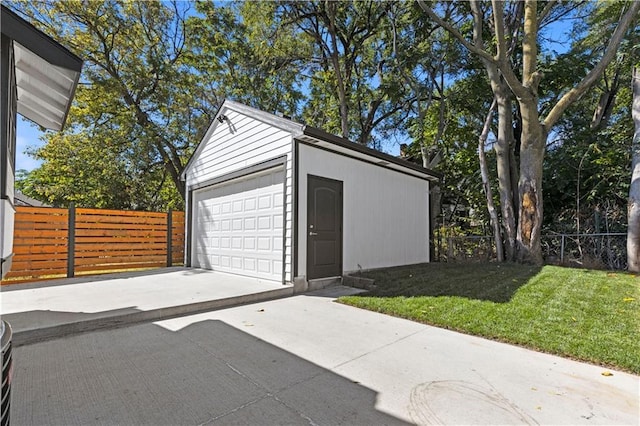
point(71, 242)
point(169, 237)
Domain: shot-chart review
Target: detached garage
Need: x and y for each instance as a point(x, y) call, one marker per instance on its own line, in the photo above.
point(277, 200)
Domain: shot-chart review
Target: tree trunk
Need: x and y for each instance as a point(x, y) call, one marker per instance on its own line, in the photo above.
point(633, 231)
point(503, 163)
point(504, 142)
point(534, 137)
point(484, 172)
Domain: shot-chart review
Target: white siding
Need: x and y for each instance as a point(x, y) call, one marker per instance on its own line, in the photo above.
point(385, 213)
point(241, 141)
point(7, 214)
point(237, 143)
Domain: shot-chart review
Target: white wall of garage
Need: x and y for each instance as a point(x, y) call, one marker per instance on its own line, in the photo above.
point(244, 138)
point(385, 212)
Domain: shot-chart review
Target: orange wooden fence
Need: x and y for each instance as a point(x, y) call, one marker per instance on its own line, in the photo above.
point(51, 242)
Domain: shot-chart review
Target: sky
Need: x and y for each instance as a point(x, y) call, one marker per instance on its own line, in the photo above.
point(27, 134)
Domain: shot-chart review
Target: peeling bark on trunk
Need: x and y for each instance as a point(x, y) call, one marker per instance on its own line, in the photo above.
point(532, 150)
point(513, 162)
point(633, 232)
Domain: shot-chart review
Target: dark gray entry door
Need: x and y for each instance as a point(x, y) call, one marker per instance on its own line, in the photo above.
point(324, 227)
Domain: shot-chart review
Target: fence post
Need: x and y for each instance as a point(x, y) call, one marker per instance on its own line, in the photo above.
point(562, 249)
point(170, 237)
point(71, 242)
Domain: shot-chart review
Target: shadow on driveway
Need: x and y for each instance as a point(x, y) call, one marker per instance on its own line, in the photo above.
point(205, 373)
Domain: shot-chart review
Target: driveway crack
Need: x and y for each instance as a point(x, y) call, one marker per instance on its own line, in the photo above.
point(378, 348)
point(245, 405)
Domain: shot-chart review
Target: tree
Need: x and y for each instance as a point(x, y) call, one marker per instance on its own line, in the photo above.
point(234, 53)
point(633, 234)
point(586, 172)
point(355, 59)
point(484, 172)
point(457, 149)
point(525, 86)
point(504, 146)
point(100, 162)
point(135, 59)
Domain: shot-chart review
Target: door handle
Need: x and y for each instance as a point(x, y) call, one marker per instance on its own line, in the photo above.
point(311, 233)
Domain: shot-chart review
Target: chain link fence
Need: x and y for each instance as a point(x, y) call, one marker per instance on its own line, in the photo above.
point(593, 251)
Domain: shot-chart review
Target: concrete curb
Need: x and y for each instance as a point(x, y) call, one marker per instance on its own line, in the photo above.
point(359, 282)
point(26, 337)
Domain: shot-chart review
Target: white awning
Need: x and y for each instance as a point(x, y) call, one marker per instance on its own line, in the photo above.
point(44, 90)
point(46, 73)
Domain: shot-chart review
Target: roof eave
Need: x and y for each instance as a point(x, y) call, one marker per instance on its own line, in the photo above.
point(41, 51)
point(38, 42)
point(320, 134)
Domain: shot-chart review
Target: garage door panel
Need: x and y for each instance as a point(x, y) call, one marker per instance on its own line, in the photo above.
point(249, 243)
point(278, 200)
point(238, 226)
point(264, 202)
point(249, 204)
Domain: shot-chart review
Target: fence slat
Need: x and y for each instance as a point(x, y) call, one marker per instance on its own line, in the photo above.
point(108, 212)
point(72, 242)
point(118, 253)
point(121, 233)
point(124, 266)
point(28, 265)
point(109, 260)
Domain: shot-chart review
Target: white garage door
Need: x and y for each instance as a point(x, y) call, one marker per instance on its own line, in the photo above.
point(238, 226)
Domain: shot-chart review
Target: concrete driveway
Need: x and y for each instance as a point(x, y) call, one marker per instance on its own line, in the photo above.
point(52, 308)
point(306, 360)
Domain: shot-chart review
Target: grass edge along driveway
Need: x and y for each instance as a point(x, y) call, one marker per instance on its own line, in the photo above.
point(588, 315)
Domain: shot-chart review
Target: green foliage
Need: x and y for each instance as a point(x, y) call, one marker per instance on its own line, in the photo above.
point(99, 161)
point(355, 61)
point(466, 104)
point(586, 172)
point(234, 54)
point(137, 113)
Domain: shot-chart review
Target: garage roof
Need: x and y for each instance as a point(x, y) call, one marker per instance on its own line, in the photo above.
point(321, 138)
point(46, 72)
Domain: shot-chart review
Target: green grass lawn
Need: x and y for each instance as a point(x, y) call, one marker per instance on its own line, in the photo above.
point(588, 315)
